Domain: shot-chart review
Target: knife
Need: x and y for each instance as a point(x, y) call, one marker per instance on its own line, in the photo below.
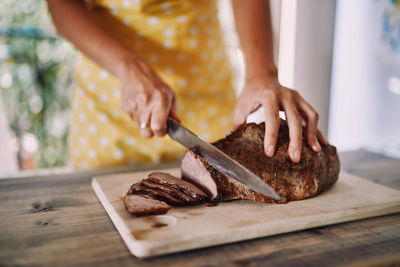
point(219, 160)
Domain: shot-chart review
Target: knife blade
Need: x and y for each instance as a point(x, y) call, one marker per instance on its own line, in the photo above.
point(219, 160)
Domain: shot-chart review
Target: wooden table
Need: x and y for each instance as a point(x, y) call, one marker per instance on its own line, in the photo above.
point(57, 220)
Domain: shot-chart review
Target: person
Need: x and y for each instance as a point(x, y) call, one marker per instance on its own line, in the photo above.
point(154, 59)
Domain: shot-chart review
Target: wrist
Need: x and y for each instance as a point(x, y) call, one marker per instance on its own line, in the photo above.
point(262, 73)
point(127, 65)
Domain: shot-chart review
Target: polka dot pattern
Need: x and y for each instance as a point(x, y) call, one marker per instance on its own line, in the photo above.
point(92, 86)
point(104, 141)
point(92, 154)
point(103, 74)
point(168, 32)
point(116, 94)
point(103, 97)
point(182, 19)
point(92, 129)
point(167, 44)
point(118, 153)
point(126, 3)
point(82, 116)
point(184, 45)
point(130, 141)
point(153, 20)
point(90, 104)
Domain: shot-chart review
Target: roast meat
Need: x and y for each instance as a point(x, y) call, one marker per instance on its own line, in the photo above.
point(139, 205)
point(315, 173)
point(164, 188)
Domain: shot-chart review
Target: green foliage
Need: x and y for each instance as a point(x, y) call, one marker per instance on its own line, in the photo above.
point(39, 63)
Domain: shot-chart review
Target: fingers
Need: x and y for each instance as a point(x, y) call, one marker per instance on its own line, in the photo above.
point(154, 111)
point(142, 113)
point(294, 121)
point(131, 108)
point(150, 113)
point(311, 117)
point(299, 114)
point(146, 98)
point(173, 113)
point(314, 136)
point(321, 138)
point(272, 122)
point(144, 126)
point(242, 110)
point(160, 114)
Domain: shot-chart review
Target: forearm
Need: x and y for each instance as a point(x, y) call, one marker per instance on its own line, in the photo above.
point(262, 88)
point(76, 23)
point(253, 24)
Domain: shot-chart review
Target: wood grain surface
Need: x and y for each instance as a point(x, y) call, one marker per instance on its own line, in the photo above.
point(351, 198)
point(57, 220)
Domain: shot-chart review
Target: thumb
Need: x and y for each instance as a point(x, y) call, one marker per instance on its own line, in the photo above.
point(241, 113)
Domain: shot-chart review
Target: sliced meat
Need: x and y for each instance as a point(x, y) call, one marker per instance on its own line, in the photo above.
point(167, 188)
point(315, 173)
point(178, 184)
point(218, 186)
point(176, 194)
point(139, 189)
point(196, 170)
point(138, 205)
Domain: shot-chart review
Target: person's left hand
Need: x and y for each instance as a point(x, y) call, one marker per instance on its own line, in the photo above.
point(269, 93)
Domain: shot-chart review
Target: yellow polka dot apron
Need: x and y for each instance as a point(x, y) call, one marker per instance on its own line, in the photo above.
point(182, 41)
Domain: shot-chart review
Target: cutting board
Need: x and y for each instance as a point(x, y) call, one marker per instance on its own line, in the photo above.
point(184, 228)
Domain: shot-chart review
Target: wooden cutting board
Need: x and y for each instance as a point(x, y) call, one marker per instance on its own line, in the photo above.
point(184, 228)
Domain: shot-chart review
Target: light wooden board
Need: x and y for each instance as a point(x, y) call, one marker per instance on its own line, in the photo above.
point(184, 228)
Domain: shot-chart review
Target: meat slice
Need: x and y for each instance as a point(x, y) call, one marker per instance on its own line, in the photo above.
point(138, 205)
point(196, 170)
point(139, 189)
point(170, 191)
point(178, 184)
point(161, 187)
point(315, 173)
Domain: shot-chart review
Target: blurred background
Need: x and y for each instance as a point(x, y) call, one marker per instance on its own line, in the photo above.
point(343, 56)
point(35, 80)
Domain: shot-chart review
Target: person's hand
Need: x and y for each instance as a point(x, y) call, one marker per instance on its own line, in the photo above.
point(146, 98)
point(268, 93)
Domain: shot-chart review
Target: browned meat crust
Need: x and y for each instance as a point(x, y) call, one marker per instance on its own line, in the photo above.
point(315, 173)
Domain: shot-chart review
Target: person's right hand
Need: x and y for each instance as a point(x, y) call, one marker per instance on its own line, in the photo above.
point(146, 98)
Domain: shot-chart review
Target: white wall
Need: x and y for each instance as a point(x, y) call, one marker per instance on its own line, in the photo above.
point(364, 112)
point(305, 55)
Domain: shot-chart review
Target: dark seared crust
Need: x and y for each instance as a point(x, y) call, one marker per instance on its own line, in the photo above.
point(168, 190)
point(138, 205)
point(138, 189)
point(228, 189)
point(183, 186)
point(315, 173)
